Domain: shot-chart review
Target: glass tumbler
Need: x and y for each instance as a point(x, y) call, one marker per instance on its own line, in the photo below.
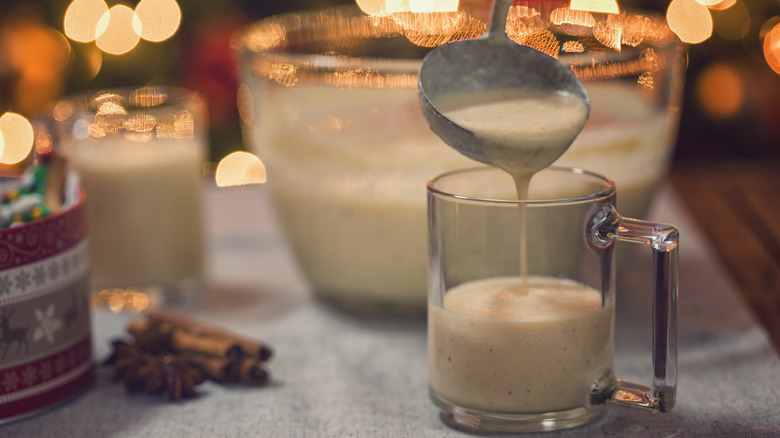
point(522, 339)
point(140, 155)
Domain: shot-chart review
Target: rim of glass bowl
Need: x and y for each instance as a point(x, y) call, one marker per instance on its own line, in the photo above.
point(330, 45)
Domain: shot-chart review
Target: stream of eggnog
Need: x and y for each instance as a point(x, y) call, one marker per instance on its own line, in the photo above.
point(522, 132)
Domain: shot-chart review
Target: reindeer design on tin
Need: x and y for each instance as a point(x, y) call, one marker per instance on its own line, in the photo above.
point(9, 335)
point(71, 316)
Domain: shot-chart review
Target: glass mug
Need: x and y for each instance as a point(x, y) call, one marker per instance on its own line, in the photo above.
point(517, 353)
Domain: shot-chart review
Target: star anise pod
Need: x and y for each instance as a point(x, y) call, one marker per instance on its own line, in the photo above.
point(174, 375)
point(181, 376)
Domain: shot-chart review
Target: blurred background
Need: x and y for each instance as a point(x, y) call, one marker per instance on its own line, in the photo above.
point(47, 50)
point(725, 170)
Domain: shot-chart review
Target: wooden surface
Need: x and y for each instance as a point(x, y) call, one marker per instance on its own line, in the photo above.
point(737, 206)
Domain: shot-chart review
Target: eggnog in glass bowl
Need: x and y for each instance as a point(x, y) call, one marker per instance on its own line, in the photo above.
point(332, 110)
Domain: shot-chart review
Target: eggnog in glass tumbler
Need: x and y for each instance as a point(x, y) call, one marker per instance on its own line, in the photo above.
point(139, 152)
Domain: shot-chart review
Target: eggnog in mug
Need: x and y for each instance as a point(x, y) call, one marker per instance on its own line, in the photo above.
point(514, 344)
point(521, 353)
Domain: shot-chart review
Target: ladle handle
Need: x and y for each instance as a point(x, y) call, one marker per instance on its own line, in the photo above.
point(664, 241)
point(497, 30)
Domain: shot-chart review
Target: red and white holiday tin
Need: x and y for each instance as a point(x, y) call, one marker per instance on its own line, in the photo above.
point(45, 328)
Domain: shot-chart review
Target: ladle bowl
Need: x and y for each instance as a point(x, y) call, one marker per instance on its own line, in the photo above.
point(492, 62)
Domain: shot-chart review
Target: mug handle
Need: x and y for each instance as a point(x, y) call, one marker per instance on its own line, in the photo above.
point(664, 241)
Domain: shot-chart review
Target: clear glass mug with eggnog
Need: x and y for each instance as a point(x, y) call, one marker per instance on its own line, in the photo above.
point(140, 155)
point(329, 102)
point(522, 300)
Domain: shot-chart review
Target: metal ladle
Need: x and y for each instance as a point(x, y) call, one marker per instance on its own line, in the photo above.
point(490, 62)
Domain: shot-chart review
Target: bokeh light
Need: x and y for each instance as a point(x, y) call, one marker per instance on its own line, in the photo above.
point(720, 91)
point(606, 6)
point(43, 143)
point(708, 3)
point(771, 48)
point(372, 7)
point(18, 138)
point(123, 300)
point(433, 5)
point(160, 19)
point(81, 19)
point(382, 7)
point(37, 53)
point(722, 5)
point(240, 168)
point(572, 16)
point(119, 30)
point(690, 20)
point(38, 57)
point(385, 7)
point(93, 62)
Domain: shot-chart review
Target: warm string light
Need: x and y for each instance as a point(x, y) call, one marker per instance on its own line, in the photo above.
point(81, 19)
point(605, 6)
point(709, 3)
point(433, 5)
point(690, 20)
point(17, 135)
point(722, 5)
point(720, 91)
point(240, 168)
point(159, 19)
point(117, 30)
point(386, 7)
point(771, 47)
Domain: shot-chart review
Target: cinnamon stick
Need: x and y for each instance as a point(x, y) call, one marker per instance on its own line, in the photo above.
point(246, 345)
point(220, 370)
point(174, 353)
point(251, 371)
point(209, 345)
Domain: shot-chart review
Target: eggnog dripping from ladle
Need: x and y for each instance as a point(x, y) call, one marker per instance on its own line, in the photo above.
point(520, 131)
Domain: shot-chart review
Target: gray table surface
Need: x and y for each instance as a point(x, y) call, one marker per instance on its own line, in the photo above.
point(339, 374)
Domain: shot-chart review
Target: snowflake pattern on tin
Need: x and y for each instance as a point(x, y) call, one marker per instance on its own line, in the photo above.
point(48, 324)
point(5, 285)
point(15, 283)
point(39, 275)
point(29, 376)
point(10, 381)
point(42, 372)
